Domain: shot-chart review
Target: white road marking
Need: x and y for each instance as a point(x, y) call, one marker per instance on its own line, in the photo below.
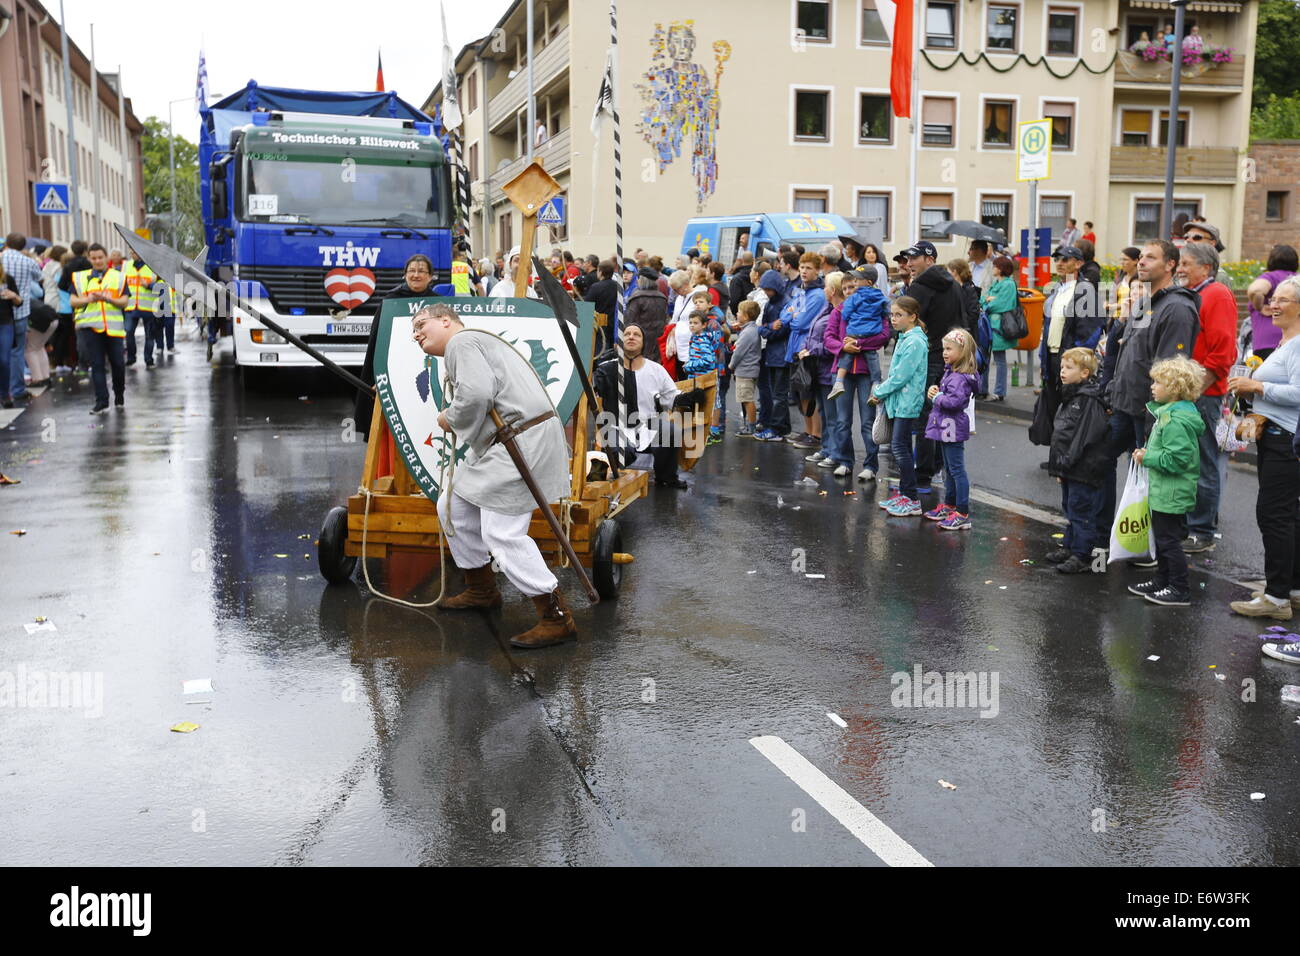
point(857, 819)
point(1019, 507)
point(816, 577)
point(836, 719)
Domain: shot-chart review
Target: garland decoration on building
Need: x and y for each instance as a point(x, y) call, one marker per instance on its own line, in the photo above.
point(1041, 61)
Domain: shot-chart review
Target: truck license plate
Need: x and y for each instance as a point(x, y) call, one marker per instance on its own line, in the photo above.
point(347, 328)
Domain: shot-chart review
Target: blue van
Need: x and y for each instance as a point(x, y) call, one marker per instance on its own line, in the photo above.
point(722, 237)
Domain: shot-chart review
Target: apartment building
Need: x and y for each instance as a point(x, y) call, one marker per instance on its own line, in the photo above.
point(34, 137)
point(738, 107)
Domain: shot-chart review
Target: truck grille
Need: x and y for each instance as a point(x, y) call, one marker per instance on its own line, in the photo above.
point(303, 287)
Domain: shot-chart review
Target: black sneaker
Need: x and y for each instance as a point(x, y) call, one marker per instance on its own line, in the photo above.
point(1195, 544)
point(1168, 597)
point(1145, 588)
point(99, 410)
point(1074, 565)
point(120, 405)
point(1057, 555)
point(1145, 564)
point(679, 483)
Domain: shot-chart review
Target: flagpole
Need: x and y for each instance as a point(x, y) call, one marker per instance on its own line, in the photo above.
point(914, 203)
point(618, 171)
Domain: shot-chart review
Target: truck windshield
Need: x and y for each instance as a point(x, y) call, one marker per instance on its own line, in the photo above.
point(325, 190)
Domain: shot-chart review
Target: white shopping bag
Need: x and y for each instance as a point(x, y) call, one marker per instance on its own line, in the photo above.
point(1130, 535)
point(970, 414)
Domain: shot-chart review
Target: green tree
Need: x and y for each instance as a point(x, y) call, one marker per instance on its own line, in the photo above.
point(187, 233)
point(1278, 117)
point(1277, 49)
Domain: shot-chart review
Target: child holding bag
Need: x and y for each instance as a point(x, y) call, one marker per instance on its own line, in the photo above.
point(1172, 457)
point(903, 394)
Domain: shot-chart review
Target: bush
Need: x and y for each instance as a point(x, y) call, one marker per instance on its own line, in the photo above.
point(1278, 117)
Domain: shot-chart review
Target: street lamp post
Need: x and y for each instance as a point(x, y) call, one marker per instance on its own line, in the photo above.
point(171, 159)
point(1175, 84)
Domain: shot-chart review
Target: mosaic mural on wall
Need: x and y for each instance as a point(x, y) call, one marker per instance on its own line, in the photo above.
point(681, 103)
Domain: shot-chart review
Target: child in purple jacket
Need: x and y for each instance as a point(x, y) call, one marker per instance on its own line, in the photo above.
point(950, 426)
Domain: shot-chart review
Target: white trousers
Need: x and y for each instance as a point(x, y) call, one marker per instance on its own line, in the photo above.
point(481, 535)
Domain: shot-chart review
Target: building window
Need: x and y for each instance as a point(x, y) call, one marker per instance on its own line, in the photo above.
point(471, 93)
point(1062, 117)
point(1183, 118)
point(811, 200)
point(875, 118)
point(995, 212)
point(1002, 34)
point(999, 120)
point(473, 164)
point(1135, 128)
point(812, 116)
point(1062, 31)
point(1134, 29)
point(1053, 211)
point(873, 28)
point(505, 234)
point(1146, 220)
point(941, 25)
point(938, 116)
point(1275, 208)
point(935, 208)
point(874, 207)
point(813, 20)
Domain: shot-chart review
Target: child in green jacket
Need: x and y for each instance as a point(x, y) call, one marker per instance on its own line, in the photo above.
point(903, 393)
point(1173, 459)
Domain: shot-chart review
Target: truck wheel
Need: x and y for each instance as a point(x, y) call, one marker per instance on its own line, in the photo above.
point(606, 575)
point(335, 566)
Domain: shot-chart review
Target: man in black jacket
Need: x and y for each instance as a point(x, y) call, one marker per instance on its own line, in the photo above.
point(1165, 326)
point(941, 311)
point(603, 294)
point(740, 286)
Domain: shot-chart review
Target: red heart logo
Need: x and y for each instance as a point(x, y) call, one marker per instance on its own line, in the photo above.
point(350, 287)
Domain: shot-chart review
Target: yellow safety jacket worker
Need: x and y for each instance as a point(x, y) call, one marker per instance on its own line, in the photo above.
point(141, 287)
point(460, 276)
point(100, 316)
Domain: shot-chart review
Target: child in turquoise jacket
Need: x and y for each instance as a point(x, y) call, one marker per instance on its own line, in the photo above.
point(1173, 459)
point(903, 394)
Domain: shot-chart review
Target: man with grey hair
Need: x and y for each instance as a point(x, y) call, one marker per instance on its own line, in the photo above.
point(1216, 350)
point(486, 507)
point(831, 254)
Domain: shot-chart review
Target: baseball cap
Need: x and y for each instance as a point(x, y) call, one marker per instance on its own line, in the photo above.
point(922, 248)
point(1068, 252)
point(867, 273)
point(629, 266)
point(1206, 227)
point(901, 257)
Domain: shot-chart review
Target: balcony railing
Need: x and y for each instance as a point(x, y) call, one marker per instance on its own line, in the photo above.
point(1191, 164)
point(550, 61)
point(1224, 77)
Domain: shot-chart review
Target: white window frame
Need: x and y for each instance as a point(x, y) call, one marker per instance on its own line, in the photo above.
point(857, 118)
point(921, 41)
point(1154, 127)
point(1137, 197)
point(829, 42)
point(1015, 118)
point(1078, 28)
point(952, 212)
point(956, 119)
point(796, 88)
point(857, 37)
point(1011, 206)
point(826, 188)
point(984, 27)
point(1054, 194)
point(891, 192)
point(1074, 138)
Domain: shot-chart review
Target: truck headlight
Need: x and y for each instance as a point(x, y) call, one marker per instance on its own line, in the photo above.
point(267, 337)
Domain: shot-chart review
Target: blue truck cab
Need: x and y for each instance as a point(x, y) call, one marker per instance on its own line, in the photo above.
point(722, 237)
point(312, 204)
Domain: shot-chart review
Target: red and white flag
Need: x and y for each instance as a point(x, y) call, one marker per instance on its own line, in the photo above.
point(898, 20)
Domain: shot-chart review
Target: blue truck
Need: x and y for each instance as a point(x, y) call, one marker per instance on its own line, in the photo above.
point(312, 203)
point(722, 237)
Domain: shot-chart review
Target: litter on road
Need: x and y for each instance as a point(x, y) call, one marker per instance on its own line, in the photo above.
point(200, 685)
point(184, 727)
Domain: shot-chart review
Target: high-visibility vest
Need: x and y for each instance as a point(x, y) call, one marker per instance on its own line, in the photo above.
point(140, 287)
point(100, 316)
point(460, 276)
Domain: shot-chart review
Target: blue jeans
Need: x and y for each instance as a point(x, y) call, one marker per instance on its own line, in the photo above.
point(720, 403)
point(133, 319)
point(98, 348)
point(1214, 467)
point(858, 387)
point(153, 336)
point(956, 490)
point(774, 398)
point(18, 359)
point(6, 356)
point(831, 425)
point(998, 362)
point(1083, 505)
point(169, 329)
point(901, 444)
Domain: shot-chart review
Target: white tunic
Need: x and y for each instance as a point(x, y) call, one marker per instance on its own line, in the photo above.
point(485, 372)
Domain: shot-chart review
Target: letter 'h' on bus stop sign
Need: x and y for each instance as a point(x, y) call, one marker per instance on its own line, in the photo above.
point(551, 213)
point(52, 199)
point(1034, 150)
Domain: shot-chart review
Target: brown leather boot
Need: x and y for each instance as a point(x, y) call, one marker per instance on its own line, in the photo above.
point(480, 591)
point(554, 623)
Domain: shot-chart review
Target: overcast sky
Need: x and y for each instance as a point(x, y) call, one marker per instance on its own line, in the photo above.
point(328, 45)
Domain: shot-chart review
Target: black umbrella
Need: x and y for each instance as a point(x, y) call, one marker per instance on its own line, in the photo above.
point(970, 229)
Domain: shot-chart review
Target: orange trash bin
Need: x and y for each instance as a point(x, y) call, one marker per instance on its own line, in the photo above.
point(1032, 302)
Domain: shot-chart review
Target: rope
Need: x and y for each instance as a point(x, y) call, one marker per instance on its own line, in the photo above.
point(1041, 61)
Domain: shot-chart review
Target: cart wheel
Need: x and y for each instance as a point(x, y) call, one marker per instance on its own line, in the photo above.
point(606, 573)
point(335, 566)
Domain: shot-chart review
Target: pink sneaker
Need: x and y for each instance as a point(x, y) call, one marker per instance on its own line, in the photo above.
point(939, 513)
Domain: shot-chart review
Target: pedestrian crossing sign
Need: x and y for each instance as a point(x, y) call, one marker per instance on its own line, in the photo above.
point(52, 199)
point(551, 213)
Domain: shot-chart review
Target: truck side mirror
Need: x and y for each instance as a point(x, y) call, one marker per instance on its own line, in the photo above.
point(220, 198)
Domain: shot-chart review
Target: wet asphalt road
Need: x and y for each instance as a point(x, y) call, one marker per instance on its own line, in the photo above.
point(174, 542)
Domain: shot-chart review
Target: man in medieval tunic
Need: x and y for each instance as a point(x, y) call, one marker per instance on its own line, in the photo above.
point(486, 508)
